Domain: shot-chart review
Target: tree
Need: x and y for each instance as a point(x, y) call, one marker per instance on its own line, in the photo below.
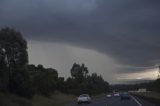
point(75, 71)
point(44, 80)
point(84, 70)
point(79, 72)
point(81, 82)
point(14, 58)
point(14, 48)
point(62, 85)
point(3, 71)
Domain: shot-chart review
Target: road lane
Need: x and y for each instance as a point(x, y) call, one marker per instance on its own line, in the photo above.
point(115, 101)
point(99, 102)
point(120, 102)
point(136, 101)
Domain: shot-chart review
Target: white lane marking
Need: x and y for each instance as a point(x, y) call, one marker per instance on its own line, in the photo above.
point(136, 101)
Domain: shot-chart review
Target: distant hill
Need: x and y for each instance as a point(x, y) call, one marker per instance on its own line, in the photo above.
point(138, 81)
point(135, 81)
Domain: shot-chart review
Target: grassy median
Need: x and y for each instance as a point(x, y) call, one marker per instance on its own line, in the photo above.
point(153, 97)
point(148, 94)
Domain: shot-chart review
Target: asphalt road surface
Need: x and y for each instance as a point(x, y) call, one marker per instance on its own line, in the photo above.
point(116, 101)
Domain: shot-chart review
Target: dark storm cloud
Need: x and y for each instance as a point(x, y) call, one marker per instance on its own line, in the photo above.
point(126, 30)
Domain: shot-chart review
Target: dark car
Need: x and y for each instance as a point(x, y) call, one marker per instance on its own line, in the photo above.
point(125, 95)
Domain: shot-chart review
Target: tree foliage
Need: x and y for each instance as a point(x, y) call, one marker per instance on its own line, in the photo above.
point(14, 58)
point(43, 79)
point(81, 82)
point(21, 78)
point(150, 86)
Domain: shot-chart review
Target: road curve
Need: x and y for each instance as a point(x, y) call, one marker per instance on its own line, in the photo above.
point(116, 101)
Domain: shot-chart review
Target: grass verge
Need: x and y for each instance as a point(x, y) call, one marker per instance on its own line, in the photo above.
point(12, 100)
point(58, 99)
point(153, 97)
point(94, 97)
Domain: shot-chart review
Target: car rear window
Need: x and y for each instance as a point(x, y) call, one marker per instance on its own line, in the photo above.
point(84, 95)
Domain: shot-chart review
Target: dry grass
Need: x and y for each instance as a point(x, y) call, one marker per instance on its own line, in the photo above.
point(12, 100)
point(98, 96)
point(57, 99)
point(154, 95)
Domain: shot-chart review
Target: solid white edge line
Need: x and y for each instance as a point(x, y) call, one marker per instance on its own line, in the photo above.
point(136, 101)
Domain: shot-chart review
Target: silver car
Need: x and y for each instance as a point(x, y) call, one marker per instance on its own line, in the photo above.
point(84, 98)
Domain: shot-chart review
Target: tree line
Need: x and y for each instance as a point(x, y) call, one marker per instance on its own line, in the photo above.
point(149, 86)
point(23, 79)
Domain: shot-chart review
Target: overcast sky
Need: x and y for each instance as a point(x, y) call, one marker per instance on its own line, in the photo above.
point(112, 37)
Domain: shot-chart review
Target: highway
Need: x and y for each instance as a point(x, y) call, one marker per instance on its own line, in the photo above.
point(116, 101)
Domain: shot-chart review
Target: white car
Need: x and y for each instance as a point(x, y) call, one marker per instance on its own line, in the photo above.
point(116, 94)
point(84, 98)
point(108, 95)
